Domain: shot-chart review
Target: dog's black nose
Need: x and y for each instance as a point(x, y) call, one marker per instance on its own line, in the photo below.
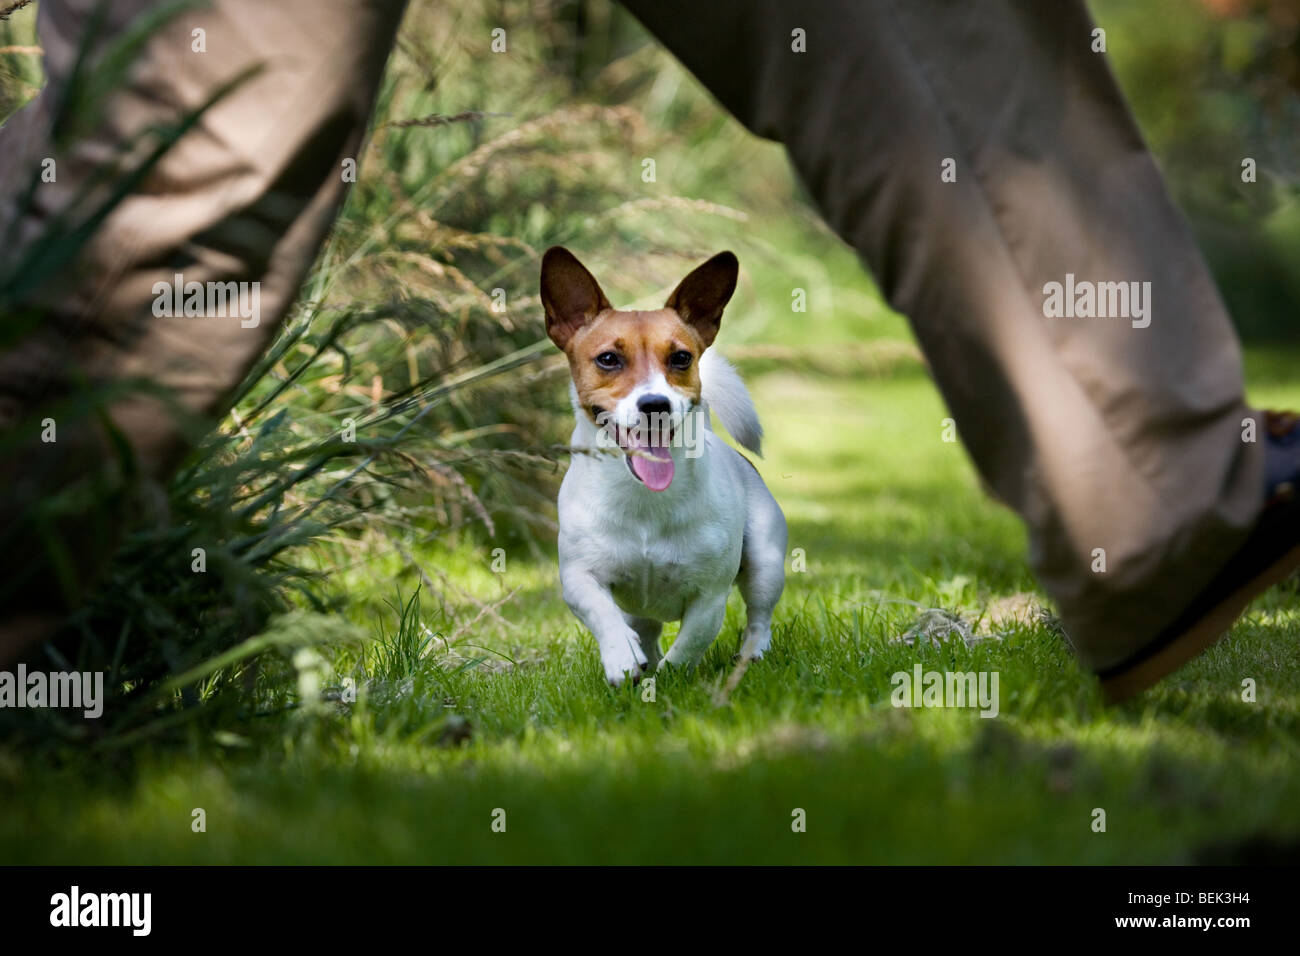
point(653, 405)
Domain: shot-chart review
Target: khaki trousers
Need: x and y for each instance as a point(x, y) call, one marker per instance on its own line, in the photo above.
point(972, 151)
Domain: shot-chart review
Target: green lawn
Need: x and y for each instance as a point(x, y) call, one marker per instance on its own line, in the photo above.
point(513, 713)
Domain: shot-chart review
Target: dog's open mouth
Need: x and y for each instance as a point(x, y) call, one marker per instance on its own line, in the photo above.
point(649, 457)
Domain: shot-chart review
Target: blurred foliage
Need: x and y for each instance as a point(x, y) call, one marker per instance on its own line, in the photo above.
point(1214, 82)
point(20, 56)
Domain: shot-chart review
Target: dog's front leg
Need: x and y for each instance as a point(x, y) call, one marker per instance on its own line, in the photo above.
point(700, 626)
point(619, 644)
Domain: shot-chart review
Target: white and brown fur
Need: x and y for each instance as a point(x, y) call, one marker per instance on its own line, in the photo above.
point(632, 558)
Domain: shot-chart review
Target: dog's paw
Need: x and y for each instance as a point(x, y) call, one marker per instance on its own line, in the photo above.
point(623, 658)
point(755, 643)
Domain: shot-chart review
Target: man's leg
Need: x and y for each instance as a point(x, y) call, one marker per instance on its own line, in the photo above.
point(246, 196)
point(1119, 441)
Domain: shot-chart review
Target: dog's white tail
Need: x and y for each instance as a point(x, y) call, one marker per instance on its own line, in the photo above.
point(724, 392)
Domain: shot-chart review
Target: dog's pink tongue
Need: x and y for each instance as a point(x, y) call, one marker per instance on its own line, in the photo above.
point(654, 465)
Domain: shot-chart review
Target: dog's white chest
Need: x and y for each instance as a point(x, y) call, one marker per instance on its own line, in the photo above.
point(656, 574)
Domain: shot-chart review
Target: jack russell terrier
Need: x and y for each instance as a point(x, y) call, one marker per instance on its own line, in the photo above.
point(659, 517)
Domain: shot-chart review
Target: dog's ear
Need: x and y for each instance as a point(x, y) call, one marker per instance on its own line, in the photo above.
point(570, 295)
point(700, 298)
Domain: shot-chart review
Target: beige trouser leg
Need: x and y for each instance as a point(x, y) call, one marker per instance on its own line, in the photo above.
point(1109, 440)
point(246, 196)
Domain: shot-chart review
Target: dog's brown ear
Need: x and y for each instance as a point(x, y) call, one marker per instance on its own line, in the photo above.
point(570, 295)
point(700, 298)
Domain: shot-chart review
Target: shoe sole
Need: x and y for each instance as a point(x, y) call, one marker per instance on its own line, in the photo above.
point(1120, 683)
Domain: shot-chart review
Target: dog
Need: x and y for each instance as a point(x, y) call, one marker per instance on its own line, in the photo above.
point(658, 516)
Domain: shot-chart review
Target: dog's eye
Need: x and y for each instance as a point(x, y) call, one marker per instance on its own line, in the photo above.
point(680, 360)
point(608, 361)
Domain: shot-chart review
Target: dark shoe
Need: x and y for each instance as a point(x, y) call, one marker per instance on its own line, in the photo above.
point(1269, 556)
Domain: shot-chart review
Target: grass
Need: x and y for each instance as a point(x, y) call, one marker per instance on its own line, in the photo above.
point(427, 676)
